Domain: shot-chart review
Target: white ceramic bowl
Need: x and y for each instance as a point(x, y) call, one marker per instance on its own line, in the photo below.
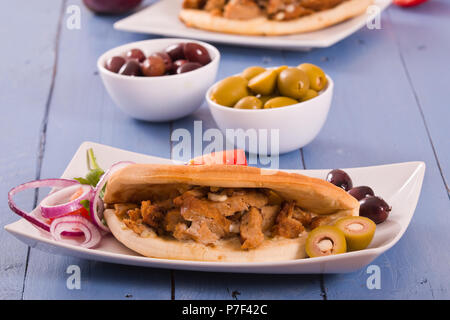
point(162, 98)
point(297, 124)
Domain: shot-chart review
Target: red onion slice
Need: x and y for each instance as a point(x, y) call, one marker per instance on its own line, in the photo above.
point(52, 183)
point(71, 223)
point(97, 205)
point(58, 203)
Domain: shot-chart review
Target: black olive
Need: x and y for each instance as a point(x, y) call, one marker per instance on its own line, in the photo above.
point(131, 68)
point(361, 192)
point(340, 178)
point(114, 64)
point(374, 208)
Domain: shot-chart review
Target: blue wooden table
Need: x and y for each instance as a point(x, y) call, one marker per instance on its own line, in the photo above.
point(391, 104)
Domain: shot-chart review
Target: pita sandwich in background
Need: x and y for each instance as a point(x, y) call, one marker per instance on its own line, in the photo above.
point(268, 17)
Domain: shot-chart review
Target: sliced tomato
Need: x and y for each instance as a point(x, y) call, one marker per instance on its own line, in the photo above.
point(81, 212)
point(229, 157)
point(408, 3)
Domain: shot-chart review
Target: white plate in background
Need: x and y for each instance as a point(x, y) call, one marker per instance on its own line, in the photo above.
point(399, 184)
point(161, 18)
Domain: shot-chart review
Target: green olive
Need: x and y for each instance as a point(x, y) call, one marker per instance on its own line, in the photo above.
point(252, 72)
point(293, 83)
point(324, 241)
point(279, 102)
point(229, 91)
point(280, 68)
point(264, 83)
point(316, 76)
point(249, 102)
point(264, 99)
point(358, 231)
point(309, 95)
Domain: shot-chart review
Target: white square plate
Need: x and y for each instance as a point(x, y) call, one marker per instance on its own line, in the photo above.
point(399, 184)
point(161, 18)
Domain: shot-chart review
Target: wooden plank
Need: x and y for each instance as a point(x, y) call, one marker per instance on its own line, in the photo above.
point(195, 285)
point(28, 58)
point(81, 110)
point(211, 286)
point(374, 120)
point(428, 71)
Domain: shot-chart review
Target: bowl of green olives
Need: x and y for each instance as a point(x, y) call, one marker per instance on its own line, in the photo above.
point(284, 107)
point(148, 79)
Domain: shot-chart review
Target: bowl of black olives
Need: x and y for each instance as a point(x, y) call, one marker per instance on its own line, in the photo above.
point(160, 79)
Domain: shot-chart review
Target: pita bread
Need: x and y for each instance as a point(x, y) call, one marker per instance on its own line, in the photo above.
point(262, 26)
point(137, 182)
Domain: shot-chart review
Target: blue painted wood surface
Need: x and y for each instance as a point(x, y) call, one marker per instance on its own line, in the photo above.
point(26, 79)
point(390, 105)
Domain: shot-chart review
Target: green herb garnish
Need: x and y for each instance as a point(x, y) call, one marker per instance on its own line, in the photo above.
point(86, 204)
point(95, 172)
